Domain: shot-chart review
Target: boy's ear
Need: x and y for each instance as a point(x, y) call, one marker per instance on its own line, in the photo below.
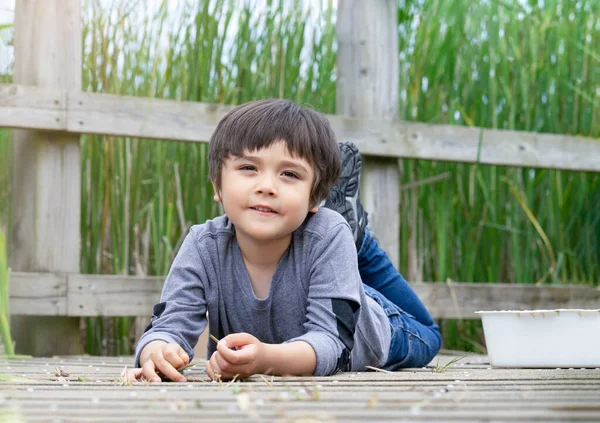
point(217, 194)
point(314, 209)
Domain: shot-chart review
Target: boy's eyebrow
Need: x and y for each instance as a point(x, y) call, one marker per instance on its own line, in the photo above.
point(294, 165)
point(284, 163)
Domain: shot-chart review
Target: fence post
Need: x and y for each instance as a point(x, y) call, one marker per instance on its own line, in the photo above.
point(46, 194)
point(367, 87)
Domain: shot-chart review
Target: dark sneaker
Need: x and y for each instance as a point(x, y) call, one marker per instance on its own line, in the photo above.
point(344, 196)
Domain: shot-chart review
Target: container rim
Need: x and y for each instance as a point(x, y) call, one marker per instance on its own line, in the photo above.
point(557, 310)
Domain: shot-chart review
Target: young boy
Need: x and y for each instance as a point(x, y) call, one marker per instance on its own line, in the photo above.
point(290, 287)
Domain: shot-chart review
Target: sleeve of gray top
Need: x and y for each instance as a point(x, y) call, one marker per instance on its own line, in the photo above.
point(180, 316)
point(333, 301)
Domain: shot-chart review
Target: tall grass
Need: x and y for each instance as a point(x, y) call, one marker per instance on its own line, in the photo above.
point(5, 175)
point(6, 343)
point(498, 65)
point(512, 64)
point(5, 338)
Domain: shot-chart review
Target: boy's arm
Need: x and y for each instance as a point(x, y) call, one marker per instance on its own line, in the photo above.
point(333, 301)
point(180, 316)
point(242, 355)
point(294, 358)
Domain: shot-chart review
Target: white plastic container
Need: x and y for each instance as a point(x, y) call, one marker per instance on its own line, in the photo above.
point(542, 338)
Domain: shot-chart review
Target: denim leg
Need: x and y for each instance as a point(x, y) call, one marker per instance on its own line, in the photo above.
point(378, 272)
point(413, 344)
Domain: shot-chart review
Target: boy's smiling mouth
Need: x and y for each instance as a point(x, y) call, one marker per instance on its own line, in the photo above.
point(263, 209)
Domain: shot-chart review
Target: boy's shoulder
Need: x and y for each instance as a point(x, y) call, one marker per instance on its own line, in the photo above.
point(212, 229)
point(319, 225)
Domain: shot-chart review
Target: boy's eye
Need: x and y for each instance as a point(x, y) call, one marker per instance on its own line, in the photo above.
point(291, 175)
point(247, 167)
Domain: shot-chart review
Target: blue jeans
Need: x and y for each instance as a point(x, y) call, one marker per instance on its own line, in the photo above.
point(416, 338)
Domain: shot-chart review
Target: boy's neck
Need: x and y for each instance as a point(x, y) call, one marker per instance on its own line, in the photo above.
point(262, 253)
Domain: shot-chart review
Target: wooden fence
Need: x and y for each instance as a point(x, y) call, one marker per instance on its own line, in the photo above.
point(52, 112)
point(100, 295)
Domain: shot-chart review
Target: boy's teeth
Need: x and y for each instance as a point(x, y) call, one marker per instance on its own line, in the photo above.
point(263, 209)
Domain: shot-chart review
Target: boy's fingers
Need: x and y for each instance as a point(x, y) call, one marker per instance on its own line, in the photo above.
point(173, 356)
point(212, 371)
point(167, 369)
point(224, 365)
point(184, 356)
point(149, 371)
point(134, 374)
point(219, 370)
point(214, 365)
point(236, 340)
point(241, 356)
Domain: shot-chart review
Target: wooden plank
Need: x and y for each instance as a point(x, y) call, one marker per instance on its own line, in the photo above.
point(481, 394)
point(367, 88)
point(470, 145)
point(332, 397)
point(461, 300)
point(43, 293)
point(195, 122)
point(111, 295)
point(115, 295)
point(45, 231)
point(329, 403)
point(380, 194)
point(23, 106)
point(45, 227)
point(133, 116)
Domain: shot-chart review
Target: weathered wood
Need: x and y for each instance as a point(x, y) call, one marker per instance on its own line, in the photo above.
point(367, 87)
point(27, 107)
point(114, 295)
point(380, 194)
point(45, 232)
point(462, 300)
point(32, 389)
point(90, 113)
point(195, 122)
point(40, 293)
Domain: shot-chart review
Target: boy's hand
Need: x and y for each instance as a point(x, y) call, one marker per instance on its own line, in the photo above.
point(244, 361)
point(159, 356)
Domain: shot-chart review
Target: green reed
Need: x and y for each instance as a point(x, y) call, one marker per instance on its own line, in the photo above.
point(6, 344)
point(498, 64)
point(5, 338)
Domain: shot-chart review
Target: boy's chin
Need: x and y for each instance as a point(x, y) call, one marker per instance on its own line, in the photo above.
point(265, 236)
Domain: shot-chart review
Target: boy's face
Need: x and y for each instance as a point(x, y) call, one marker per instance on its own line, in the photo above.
point(266, 193)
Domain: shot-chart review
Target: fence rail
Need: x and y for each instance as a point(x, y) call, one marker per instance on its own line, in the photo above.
point(49, 294)
point(54, 109)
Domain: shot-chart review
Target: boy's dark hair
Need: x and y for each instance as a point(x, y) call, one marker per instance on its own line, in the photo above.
point(258, 124)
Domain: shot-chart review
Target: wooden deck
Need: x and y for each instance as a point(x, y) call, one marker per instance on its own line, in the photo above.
point(78, 389)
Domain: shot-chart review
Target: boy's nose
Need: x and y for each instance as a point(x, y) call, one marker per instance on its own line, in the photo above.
point(266, 185)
